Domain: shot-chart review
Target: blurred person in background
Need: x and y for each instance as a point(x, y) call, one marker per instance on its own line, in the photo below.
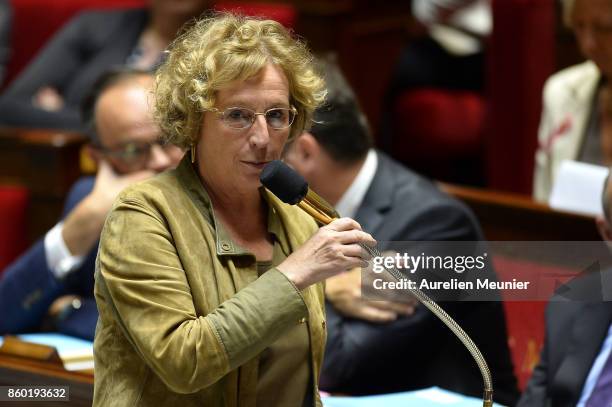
point(48, 93)
point(372, 345)
point(448, 51)
point(433, 107)
point(576, 121)
point(51, 285)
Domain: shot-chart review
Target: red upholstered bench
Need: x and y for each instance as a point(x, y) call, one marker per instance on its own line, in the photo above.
point(439, 123)
point(525, 319)
point(437, 127)
point(13, 223)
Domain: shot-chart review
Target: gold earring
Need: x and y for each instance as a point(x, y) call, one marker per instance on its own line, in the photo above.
point(193, 154)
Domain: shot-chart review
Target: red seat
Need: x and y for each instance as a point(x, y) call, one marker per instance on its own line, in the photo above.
point(439, 123)
point(525, 323)
point(439, 131)
point(13, 223)
point(525, 317)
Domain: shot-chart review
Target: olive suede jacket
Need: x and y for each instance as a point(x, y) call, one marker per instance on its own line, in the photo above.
point(183, 314)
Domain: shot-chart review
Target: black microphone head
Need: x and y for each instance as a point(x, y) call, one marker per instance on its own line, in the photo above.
point(284, 182)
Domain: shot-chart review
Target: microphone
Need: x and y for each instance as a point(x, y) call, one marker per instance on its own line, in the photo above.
point(291, 188)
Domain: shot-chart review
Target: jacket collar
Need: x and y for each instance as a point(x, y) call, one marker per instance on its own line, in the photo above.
point(582, 88)
point(280, 215)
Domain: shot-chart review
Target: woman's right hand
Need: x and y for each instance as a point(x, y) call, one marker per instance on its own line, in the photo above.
point(332, 250)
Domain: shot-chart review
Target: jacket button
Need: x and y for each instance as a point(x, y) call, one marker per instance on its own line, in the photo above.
point(225, 247)
point(302, 320)
point(323, 324)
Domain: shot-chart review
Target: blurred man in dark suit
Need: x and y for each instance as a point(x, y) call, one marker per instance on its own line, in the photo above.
point(52, 283)
point(376, 346)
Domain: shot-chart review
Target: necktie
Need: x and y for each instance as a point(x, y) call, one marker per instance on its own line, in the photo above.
point(602, 392)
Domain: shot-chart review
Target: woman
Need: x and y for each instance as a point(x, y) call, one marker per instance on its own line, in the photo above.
point(49, 91)
point(208, 286)
point(576, 121)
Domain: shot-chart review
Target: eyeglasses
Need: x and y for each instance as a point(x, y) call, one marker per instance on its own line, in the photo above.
point(277, 118)
point(134, 153)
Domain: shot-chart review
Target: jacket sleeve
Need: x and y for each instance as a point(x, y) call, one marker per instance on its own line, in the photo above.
point(54, 66)
point(27, 286)
point(542, 174)
point(27, 289)
point(82, 322)
point(141, 276)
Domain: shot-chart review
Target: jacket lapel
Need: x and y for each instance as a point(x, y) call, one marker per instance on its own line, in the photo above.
point(378, 199)
point(581, 102)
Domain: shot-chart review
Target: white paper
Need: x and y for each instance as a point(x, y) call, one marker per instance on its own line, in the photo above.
point(438, 395)
point(578, 188)
point(79, 366)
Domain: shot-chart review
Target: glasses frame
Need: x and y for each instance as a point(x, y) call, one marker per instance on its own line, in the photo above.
point(221, 114)
point(123, 153)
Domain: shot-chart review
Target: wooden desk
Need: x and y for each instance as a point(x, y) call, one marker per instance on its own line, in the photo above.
point(514, 217)
point(47, 163)
point(22, 372)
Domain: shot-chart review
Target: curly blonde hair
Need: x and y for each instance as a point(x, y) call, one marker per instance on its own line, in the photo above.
point(222, 48)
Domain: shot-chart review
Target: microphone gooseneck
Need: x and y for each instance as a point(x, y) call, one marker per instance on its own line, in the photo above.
point(291, 188)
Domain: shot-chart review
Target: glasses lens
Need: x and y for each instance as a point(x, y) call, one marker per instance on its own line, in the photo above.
point(238, 118)
point(279, 118)
point(130, 153)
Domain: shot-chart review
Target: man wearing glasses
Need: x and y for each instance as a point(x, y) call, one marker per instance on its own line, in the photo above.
point(51, 285)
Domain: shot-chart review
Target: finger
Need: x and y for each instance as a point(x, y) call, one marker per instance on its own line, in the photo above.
point(343, 224)
point(356, 236)
point(355, 250)
point(396, 307)
point(348, 263)
point(412, 301)
point(376, 315)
